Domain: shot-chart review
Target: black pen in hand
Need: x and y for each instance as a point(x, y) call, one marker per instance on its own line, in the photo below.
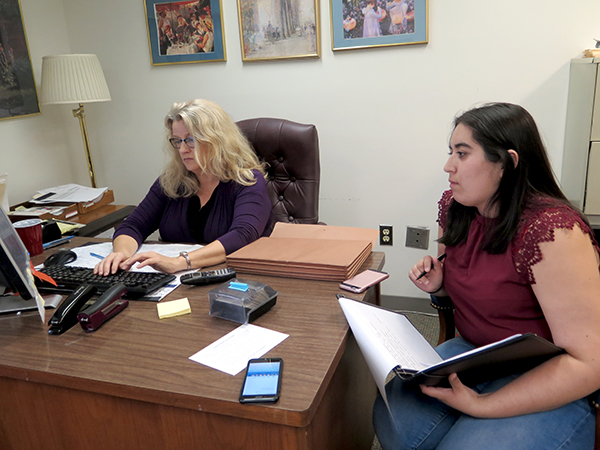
point(440, 259)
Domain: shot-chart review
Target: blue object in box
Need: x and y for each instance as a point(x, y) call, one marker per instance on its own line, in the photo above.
point(243, 287)
point(230, 302)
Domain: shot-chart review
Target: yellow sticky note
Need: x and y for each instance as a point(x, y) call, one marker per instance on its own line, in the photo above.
point(173, 308)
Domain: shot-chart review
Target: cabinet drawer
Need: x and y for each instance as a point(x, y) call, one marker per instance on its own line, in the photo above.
point(592, 195)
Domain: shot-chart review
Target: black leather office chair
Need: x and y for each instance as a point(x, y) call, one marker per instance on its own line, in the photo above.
point(291, 151)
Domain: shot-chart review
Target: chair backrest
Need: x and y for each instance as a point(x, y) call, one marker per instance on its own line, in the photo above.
point(291, 151)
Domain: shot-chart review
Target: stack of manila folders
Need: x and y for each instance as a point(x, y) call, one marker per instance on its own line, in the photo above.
point(314, 252)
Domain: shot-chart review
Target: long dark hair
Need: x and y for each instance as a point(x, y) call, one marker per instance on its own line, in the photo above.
point(499, 127)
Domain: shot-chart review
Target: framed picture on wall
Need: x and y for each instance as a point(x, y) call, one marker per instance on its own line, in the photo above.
point(18, 94)
point(279, 29)
point(378, 23)
point(182, 32)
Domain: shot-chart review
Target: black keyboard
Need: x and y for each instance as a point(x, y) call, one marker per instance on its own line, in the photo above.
point(69, 278)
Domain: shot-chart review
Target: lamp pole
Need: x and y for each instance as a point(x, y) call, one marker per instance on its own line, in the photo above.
point(79, 113)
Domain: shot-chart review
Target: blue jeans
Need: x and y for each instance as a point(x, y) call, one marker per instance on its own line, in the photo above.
point(422, 422)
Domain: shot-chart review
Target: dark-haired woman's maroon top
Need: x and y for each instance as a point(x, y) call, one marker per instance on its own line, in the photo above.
point(492, 294)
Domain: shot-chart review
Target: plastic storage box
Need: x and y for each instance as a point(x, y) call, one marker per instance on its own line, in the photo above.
point(241, 301)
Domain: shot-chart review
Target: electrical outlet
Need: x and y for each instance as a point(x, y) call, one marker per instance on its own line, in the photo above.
point(417, 237)
point(386, 235)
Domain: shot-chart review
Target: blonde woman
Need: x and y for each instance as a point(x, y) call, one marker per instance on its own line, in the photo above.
point(212, 192)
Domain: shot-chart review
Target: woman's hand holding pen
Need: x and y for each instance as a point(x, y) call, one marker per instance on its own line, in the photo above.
point(427, 274)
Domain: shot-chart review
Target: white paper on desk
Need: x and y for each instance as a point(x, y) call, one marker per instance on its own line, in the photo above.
point(231, 353)
point(73, 193)
point(85, 258)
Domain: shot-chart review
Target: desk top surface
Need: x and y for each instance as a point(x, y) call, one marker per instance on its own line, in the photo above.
point(135, 355)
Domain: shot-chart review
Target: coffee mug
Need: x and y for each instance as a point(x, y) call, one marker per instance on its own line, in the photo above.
point(30, 232)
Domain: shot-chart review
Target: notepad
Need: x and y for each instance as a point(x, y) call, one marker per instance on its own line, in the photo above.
point(173, 308)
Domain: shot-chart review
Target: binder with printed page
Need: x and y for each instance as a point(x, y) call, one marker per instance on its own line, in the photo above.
point(389, 342)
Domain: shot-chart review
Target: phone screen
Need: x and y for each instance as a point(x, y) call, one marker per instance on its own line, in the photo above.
point(261, 383)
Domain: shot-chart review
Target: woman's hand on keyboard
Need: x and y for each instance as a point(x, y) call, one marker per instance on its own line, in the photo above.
point(156, 261)
point(110, 264)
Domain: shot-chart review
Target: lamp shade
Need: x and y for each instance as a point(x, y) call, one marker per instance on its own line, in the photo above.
point(73, 79)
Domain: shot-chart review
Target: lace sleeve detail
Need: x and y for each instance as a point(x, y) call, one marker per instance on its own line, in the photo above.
point(539, 227)
point(443, 206)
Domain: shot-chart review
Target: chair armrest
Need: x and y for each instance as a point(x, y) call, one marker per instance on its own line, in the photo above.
point(445, 309)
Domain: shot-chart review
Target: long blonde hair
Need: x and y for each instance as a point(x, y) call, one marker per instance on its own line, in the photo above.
point(227, 154)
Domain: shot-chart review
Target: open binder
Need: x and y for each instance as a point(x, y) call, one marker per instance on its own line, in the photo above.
point(389, 342)
point(314, 252)
point(516, 354)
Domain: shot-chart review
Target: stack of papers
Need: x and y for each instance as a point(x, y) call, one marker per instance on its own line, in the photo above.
point(68, 193)
point(307, 251)
point(44, 212)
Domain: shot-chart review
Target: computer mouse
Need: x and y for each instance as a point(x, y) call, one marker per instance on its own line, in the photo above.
point(61, 258)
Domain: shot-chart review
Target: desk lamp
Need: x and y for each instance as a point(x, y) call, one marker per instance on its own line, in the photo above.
point(75, 79)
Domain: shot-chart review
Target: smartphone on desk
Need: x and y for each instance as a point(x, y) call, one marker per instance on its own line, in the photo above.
point(262, 382)
point(359, 283)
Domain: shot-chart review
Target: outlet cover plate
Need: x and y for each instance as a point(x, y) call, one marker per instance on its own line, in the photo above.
point(417, 237)
point(386, 235)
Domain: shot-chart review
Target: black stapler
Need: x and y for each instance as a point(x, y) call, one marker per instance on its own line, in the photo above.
point(107, 306)
point(66, 314)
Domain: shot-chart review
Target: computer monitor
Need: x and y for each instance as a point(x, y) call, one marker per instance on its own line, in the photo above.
point(14, 270)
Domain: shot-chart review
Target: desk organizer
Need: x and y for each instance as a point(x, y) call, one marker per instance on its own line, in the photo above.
point(241, 301)
point(70, 209)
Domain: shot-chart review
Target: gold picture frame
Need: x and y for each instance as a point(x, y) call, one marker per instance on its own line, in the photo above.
point(279, 29)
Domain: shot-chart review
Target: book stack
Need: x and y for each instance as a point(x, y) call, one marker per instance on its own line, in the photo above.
point(312, 252)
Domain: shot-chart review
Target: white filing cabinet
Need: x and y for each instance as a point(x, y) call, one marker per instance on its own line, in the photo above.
point(581, 159)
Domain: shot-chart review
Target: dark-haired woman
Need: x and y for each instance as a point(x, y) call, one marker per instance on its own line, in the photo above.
point(519, 259)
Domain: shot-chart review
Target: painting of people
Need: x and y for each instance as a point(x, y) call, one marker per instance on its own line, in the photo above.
point(185, 31)
point(184, 27)
point(374, 18)
point(376, 23)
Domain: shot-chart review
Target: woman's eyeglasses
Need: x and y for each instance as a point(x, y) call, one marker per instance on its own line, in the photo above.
point(176, 142)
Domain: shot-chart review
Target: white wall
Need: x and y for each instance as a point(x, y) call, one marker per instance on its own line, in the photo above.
point(34, 150)
point(383, 114)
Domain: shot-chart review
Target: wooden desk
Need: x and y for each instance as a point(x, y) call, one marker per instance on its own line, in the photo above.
point(130, 385)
